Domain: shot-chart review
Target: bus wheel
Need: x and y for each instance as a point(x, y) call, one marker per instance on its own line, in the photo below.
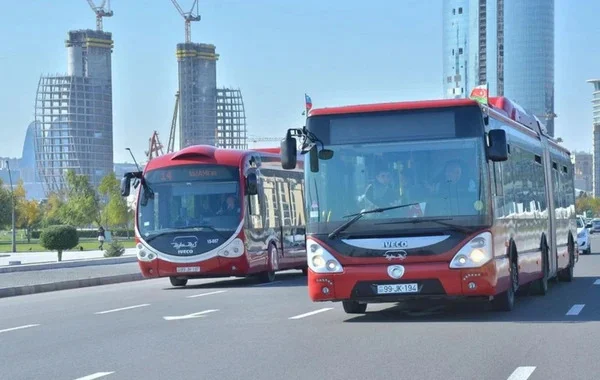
point(506, 300)
point(272, 265)
point(540, 286)
point(178, 281)
point(567, 273)
point(353, 307)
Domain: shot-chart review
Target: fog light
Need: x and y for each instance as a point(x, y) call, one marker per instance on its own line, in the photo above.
point(472, 285)
point(325, 290)
point(150, 271)
point(233, 267)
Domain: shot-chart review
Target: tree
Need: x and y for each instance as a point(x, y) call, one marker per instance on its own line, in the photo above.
point(52, 210)
point(115, 212)
point(27, 211)
point(82, 206)
point(59, 238)
point(5, 206)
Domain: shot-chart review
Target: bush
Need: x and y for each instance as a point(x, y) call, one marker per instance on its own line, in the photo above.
point(58, 238)
point(115, 249)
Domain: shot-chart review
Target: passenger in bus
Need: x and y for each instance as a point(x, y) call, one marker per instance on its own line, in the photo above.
point(455, 193)
point(231, 207)
point(380, 192)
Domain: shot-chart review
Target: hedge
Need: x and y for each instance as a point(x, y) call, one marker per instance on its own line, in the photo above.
point(92, 234)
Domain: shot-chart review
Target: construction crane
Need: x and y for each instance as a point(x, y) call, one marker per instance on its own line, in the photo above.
point(171, 144)
point(101, 11)
point(155, 147)
point(188, 17)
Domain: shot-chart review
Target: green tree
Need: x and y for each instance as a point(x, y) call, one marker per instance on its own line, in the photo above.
point(27, 211)
point(5, 206)
point(52, 210)
point(115, 211)
point(59, 238)
point(82, 205)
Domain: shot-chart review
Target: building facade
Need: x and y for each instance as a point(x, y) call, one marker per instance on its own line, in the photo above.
point(231, 119)
point(508, 44)
point(197, 65)
point(596, 133)
point(74, 121)
point(584, 171)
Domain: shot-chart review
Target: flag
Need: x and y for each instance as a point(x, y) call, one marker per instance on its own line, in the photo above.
point(480, 94)
point(307, 102)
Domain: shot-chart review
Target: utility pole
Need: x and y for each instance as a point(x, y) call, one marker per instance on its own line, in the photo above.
point(12, 197)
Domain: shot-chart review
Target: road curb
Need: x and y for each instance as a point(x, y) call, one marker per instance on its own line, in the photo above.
point(67, 264)
point(70, 284)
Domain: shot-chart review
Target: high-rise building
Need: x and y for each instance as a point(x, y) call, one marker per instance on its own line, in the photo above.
point(509, 45)
point(584, 171)
point(596, 126)
point(198, 94)
point(231, 119)
point(73, 113)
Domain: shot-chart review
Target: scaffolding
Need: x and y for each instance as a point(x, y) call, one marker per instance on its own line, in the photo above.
point(231, 119)
point(73, 113)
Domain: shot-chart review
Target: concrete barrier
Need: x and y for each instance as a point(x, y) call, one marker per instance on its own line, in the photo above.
point(67, 264)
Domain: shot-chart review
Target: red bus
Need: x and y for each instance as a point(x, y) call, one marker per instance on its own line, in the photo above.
point(446, 199)
point(209, 212)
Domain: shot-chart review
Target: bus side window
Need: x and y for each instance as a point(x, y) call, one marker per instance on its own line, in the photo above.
point(498, 189)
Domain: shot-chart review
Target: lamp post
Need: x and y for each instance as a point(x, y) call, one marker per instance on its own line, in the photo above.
point(12, 197)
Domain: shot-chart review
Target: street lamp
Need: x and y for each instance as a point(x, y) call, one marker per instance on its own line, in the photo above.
point(12, 196)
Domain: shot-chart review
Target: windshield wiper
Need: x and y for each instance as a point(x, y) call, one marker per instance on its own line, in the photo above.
point(183, 229)
point(434, 220)
point(359, 215)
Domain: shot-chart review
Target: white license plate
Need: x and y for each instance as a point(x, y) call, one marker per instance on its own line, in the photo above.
point(397, 288)
point(187, 269)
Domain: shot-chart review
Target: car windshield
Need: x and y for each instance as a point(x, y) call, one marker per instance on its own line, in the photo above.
point(579, 223)
point(190, 196)
point(444, 177)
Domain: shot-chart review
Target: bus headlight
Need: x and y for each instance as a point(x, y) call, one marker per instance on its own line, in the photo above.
point(321, 260)
point(143, 254)
point(475, 253)
point(234, 249)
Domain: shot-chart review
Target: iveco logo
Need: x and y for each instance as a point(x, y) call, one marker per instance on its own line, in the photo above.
point(185, 244)
point(395, 271)
point(398, 254)
point(395, 244)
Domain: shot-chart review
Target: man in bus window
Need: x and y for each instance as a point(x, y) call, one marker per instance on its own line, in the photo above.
point(230, 207)
point(380, 192)
point(456, 188)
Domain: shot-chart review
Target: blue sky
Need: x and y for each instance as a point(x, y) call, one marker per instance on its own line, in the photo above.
point(338, 51)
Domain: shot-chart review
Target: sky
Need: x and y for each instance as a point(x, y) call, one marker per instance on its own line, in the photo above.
point(338, 51)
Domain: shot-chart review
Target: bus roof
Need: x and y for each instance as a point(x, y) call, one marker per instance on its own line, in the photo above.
point(205, 154)
point(393, 106)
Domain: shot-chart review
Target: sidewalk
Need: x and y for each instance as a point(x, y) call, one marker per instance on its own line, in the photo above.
point(52, 257)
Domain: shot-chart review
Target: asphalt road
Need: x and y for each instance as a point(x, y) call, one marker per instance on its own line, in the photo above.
point(236, 329)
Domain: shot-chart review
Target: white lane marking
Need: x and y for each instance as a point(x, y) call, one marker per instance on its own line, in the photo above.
point(311, 313)
point(189, 316)
point(96, 375)
point(521, 373)
point(597, 282)
point(575, 309)
point(122, 308)
point(18, 328)
point(268, 283)
point(207, 294)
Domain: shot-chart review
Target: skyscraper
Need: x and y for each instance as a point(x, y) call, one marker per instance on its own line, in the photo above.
point(198, 93)
point(596, 126)
point(74, 113)
point(231, 119)
point(509, 45)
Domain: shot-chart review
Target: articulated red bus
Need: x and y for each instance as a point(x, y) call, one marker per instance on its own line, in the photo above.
point(209, 212)
point(437, 199)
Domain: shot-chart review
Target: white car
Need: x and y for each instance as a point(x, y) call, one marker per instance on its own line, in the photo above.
point(583, 237)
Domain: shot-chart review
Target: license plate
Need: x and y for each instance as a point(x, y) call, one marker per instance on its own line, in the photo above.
point(187, 269)
point(397, 288)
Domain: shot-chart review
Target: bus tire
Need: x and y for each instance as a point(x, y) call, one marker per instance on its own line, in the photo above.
point(178, 281)
point(506, 300)
point(272, 265)
point(567, 273)
point(540, 286)
point(353, 307)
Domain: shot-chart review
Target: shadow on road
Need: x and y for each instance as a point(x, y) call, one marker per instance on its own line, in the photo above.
point(282, 280)
point(551, 308)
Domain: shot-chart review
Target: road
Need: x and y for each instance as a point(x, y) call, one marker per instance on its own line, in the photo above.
point(238, 329)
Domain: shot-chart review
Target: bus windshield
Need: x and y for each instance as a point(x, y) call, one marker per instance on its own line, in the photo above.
point(190, 197)
point(443, 176)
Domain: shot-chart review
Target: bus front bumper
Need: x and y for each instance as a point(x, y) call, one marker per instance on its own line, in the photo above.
point(371, 283)
point(214, 267)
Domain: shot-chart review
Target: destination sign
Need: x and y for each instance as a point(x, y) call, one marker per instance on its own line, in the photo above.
point(187, 173)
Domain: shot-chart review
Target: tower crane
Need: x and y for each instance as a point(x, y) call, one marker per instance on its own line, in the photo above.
point(171, 144)
point(101, 11)
point(155, 147)
point(188, 17)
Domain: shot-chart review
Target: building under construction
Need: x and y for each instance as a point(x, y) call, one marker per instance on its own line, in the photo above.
point(231, 119)
point(74, 113)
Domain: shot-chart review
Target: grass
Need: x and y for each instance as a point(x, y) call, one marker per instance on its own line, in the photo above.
point(34, 246)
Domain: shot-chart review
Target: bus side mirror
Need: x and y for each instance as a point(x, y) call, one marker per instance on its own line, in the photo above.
point(288, 152)
point(498, 147)
point(126, 184)
point(251, 184)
